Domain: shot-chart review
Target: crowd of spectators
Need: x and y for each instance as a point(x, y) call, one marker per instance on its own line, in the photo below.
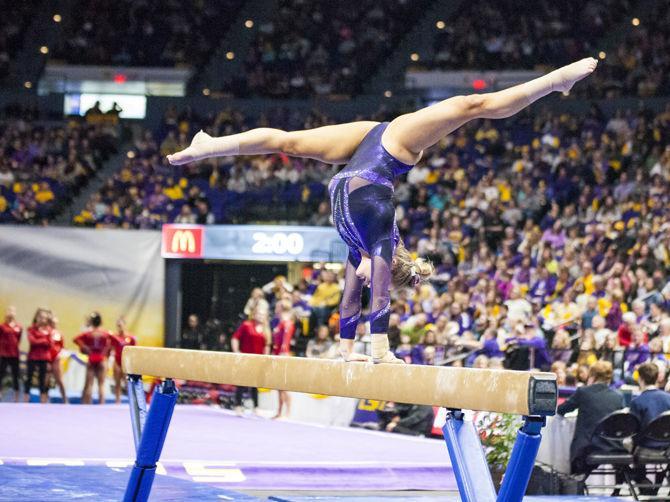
point(145, 33)
point(639, 65)
point(43, 165)
point(315, 47)
point(510, 34)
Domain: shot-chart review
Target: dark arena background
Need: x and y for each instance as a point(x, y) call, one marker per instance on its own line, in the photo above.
point(205, 295)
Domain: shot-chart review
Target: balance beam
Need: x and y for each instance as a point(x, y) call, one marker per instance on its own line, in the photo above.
point(502, 391)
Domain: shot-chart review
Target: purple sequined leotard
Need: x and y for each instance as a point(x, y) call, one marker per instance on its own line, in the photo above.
point(361, 200)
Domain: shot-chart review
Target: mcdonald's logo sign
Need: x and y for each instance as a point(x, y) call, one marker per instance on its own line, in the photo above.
point(182, 241)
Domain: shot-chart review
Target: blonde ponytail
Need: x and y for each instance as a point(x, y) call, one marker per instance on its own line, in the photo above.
point(408, 272)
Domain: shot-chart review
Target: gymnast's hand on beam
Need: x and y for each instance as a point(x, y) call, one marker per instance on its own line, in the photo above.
point(350, 357)
point(388, 358)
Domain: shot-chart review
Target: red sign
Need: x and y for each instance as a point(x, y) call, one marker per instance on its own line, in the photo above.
point(479, 84)
point(182, 241)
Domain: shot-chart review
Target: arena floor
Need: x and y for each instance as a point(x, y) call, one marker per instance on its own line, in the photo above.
point(84, 453)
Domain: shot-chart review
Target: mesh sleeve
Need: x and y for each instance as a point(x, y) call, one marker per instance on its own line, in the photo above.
point(380, 305)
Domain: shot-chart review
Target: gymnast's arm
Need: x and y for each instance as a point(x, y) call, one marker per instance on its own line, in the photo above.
point(333, 144)
point(350, 304)
point(380, 303)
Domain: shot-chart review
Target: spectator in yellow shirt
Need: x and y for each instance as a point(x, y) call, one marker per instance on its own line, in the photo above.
point(325, 298)
point(174, 190)
point(587, 278)
point(43, 194)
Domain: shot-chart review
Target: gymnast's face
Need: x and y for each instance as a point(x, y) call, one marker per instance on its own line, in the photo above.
point(364, 270)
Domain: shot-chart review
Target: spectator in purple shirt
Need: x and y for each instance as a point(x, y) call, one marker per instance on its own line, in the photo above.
point(504, 284)
point(463, 319)
point(404, 350)
point(528, 349)
point(636, 353)
point(523, 273)
point(489, 347)
point(417, 354)
point(544, 286)
point(555, 236)
point(614, 317)
point(157, 199)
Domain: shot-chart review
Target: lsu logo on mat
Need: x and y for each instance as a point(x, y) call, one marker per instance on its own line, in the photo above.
point(182, 241)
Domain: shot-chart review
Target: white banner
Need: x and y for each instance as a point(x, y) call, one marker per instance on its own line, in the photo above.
point(75, 271)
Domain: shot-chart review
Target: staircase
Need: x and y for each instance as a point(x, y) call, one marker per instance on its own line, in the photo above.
point(96, 182)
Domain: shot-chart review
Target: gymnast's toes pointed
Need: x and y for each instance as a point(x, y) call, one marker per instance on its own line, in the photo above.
point(573, 73)
point(197, 150)
point(179, 158)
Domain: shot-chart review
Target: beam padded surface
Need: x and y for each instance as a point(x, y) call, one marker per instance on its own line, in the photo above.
point(501, 391)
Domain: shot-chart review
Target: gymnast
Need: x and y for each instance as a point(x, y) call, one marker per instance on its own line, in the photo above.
point(361, 193)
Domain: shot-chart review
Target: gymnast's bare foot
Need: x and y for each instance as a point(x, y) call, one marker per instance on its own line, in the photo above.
point(388, 358)
point(197, 150)
point(564, 78)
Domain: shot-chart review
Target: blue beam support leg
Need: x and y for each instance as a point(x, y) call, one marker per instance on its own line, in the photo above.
point(521, 462)
point(468, 460)
point(138, 407)
point(151, 441)
point(471, 470)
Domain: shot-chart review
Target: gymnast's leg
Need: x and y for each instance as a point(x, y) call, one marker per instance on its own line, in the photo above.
point(333, 144)
point(87, 395)
point(42, 381)
point(100, 375)
point(57, 373)
point(408, 135)
point(14, 365)
point(32, 366)
point(118, 376)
